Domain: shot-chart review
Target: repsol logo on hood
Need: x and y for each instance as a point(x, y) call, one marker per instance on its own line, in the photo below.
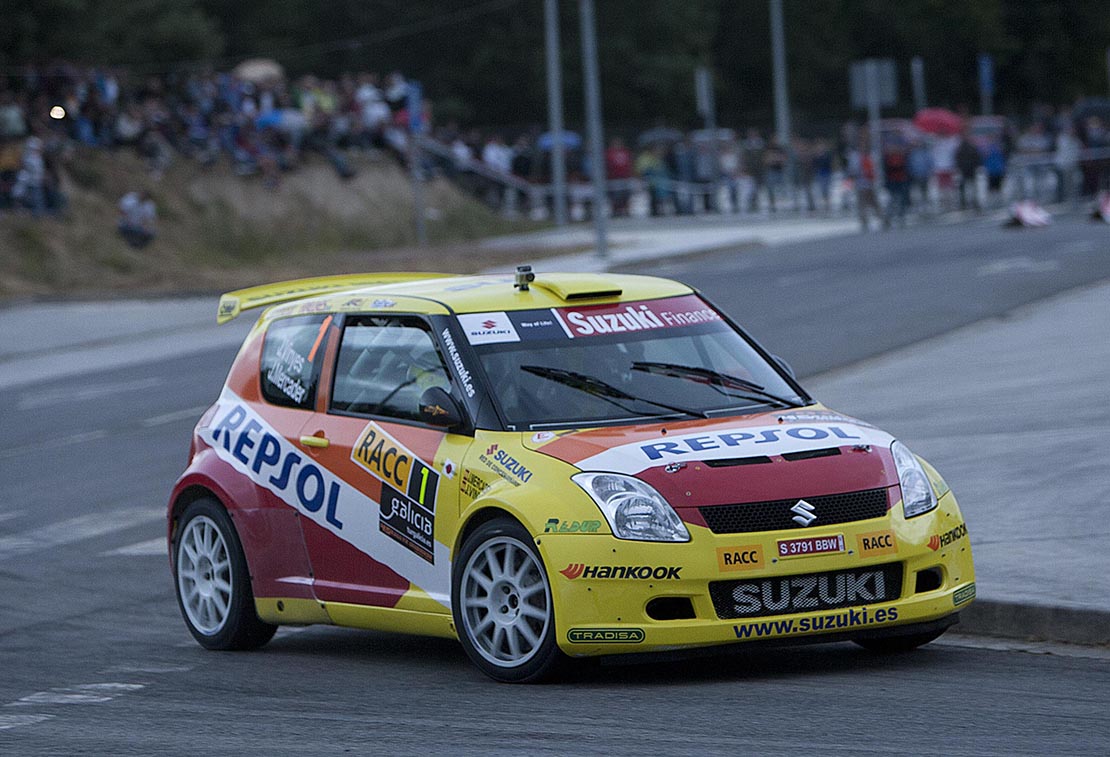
point(684, 446)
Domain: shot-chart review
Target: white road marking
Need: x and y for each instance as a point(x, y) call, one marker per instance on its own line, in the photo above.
point(148, 669)
point(15, 721)
point(142, 549)
point(1020, 264)
point(1073, 248)
point(76, 529)
point(86, 693)
point(10, 515)
point(177, 415)
point(49, 444)
point(59, 697)
point(799, 278)
point(84, 393)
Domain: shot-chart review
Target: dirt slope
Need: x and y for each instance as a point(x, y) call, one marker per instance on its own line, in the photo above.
point(217, 231)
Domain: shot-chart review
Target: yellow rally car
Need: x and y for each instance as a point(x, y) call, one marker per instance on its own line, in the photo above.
point(546, 466)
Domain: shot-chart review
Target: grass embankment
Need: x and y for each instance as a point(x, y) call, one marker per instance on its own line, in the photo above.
point(218, 231)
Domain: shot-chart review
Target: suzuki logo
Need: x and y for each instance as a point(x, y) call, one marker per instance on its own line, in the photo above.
point(488, 324)
point(491, 449)
point(804, 512)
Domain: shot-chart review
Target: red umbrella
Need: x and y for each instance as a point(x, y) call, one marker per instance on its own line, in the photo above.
point(938, 121)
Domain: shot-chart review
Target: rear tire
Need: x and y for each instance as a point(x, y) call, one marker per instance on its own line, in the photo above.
point(212, 583)
point(896, 644)
point(502, 604)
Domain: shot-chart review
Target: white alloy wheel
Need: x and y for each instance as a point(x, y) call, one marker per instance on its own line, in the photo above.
point(204, 575)
point(506, 608)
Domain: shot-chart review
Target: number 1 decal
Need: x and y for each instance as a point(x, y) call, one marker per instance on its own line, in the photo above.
point(423, 485)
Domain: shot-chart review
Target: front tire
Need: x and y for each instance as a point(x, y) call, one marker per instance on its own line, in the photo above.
point(502, 605)
point(212, 582)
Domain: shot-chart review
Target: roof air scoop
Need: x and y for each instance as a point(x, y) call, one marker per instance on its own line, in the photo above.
point(571, 287)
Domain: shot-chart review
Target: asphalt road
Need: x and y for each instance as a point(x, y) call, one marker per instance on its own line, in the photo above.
point(94, 658)
point(830, 303)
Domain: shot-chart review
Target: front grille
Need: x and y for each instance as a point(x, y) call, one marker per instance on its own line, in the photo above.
point(777, 515)
point(831, 590)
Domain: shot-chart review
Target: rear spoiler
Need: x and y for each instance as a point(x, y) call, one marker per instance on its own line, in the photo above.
point(234, 303)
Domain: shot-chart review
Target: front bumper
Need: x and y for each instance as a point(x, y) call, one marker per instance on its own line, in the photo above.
point(619, 597)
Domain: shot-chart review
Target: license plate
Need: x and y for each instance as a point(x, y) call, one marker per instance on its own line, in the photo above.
point(811, 545)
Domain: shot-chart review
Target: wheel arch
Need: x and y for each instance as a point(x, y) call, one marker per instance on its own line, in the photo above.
point(184, 497)
point(483, 513)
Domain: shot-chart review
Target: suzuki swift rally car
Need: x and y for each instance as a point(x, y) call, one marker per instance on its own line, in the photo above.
point(546, 466)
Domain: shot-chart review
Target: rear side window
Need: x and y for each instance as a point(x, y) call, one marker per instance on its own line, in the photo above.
point(385, 364)
point(291, 358)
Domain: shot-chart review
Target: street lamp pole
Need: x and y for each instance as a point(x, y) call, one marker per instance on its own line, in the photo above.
point(782, 100)
point(555, 110)
point(593, 123)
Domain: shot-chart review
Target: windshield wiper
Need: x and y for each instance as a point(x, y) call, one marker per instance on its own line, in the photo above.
point(598, 388)
point(713, 378)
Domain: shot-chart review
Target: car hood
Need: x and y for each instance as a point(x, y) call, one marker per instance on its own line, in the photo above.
point(781, 454)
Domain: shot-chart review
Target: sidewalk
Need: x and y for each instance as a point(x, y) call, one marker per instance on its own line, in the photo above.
point(46, 341)
point(54, 340)
point(1011, 411)
point(634, 241)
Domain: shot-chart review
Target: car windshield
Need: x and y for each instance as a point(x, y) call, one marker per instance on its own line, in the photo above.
point(600, 365)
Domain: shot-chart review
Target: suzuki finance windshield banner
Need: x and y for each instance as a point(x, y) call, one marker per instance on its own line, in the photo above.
point(586, 321)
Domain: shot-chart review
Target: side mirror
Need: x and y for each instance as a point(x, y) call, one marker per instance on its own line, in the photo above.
point(785, 366)
point(438, 408)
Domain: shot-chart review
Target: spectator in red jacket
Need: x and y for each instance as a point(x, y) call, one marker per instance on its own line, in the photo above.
point(618, 167)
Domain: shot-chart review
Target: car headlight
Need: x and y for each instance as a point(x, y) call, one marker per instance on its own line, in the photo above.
point(634, 509)
point(917, 493)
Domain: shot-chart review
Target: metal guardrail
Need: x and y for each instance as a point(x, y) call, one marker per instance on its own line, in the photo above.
point(1033, 176)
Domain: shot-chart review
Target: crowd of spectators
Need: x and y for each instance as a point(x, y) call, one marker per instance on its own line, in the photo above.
point(1059, 156)
point(261, 123)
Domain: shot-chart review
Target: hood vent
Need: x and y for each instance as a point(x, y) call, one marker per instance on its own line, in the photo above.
point(730, 462)
point(811, 453)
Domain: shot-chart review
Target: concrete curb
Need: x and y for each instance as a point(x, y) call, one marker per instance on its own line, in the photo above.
point(986, 617)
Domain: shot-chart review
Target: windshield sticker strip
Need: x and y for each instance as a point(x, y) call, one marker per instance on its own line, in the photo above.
point(488, 328)
point(244, 440)
point(674, 312)
point(561, 322)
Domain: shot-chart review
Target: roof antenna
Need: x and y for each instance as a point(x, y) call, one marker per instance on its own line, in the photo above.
point(524, 277)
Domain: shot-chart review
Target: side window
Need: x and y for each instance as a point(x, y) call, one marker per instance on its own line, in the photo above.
point(291, 357)
point(384, 365)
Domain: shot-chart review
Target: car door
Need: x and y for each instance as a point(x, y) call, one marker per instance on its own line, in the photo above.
point(289, 377)
point(401, 523)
